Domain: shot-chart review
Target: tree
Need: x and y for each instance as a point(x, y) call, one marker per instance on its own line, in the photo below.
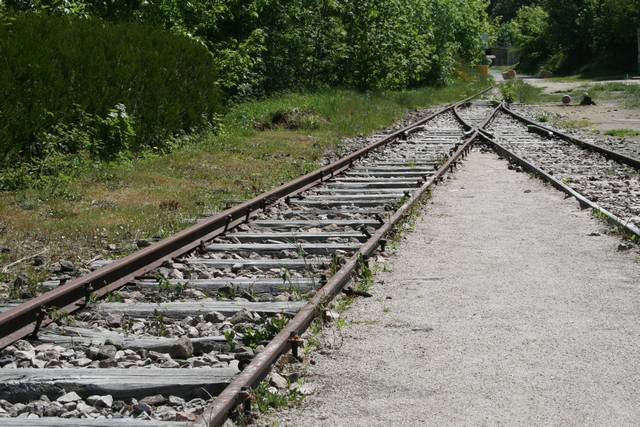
point(529, 29)
point(508, 9)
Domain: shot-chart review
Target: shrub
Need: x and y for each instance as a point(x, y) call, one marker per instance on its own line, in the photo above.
point(72, 84)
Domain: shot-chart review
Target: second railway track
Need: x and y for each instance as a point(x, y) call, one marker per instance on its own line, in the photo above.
point(175, 334)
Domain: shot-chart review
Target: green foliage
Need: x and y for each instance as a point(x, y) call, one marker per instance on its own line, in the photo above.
point(156, 325)
point(273, 45)
point(623, 133)
point(630, 93)
point(265, 399)
point(508, 9)
point(528, 29)
point(519, 91)
point(230, 338)
point(587, 35)
point(364, 276)
point(253, 337)
point(75, 85)
point(168, 291)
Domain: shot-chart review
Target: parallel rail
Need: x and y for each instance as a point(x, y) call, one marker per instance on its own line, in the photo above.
point(390, 185)
point(27, 318)
point(584, 201)
point(345, 194)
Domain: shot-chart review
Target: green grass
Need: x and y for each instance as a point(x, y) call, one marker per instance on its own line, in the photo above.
point(76, 214)
point(574, 123)
point(519, 91)
point(628, 93)
point(623, 133)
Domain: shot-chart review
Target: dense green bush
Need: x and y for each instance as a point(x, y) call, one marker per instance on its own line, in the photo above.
point(572, 35)
point(266, 46)
point(71, 84)
point(529, 28)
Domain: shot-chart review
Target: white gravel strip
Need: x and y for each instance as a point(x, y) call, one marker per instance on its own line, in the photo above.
point(504, 309)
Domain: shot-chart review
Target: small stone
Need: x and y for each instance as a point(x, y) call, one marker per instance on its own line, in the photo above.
point(154, 355)
point(165, 413)
point(71, 414)
point(105, 401)
point(304, 389)
point(194, 293)
point(54, 409)
point(107, 363)
point(245, 353)
point(37, 260)
point(241, 316)
point(69, 397)
point(278, 381)
point(19, 408)
point(155, 400)
point(223, 357)
point(66, 266)
point(25, 355)
point(142, 407)
point(624, 247)
point(176, 274)
point(331, 315)
point(214, 317)
point(82, 362)
point(21, 345)
point(170, 364)
point(102, 352)
point(37, 407)
point(185, 416)
point(142, 243)
point(182, 349)
point(176, 401)
point(83, 408)
point(198, 363)
point(70, 406)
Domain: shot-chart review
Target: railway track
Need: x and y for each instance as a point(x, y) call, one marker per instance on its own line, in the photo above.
point(177, 333)
point(599, 178)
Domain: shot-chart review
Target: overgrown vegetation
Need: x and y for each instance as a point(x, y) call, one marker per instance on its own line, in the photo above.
point(263, 333)
point(593, 36)
point(266, 399)
point(623, 133)
point(519, 91)
point(76, 89)
point(87, 79)
point(118, 202)
point(628, 93)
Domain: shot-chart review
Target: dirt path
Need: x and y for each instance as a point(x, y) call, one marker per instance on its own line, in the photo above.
point(505, 306)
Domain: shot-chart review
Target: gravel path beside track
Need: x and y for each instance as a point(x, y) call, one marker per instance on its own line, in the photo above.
point(507, 305)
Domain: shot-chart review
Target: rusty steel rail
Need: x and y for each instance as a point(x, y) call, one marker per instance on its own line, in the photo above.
point(237, 391)
point(619, 157)
point(531, 168)
point(28, 317)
